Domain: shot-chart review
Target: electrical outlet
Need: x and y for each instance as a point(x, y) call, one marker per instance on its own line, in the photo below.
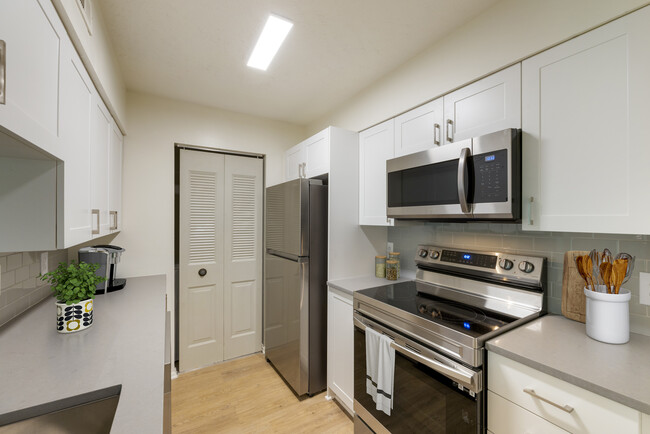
point(44, 263)
point(389, 247)
point(644, 288)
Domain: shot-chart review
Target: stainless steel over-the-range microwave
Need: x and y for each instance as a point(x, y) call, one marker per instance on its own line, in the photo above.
point(472, 179)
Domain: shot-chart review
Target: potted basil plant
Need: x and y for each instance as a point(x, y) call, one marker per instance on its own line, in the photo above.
point(74, 287)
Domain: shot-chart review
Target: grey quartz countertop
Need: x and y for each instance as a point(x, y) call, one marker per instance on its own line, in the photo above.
point(352, 284)
point(125, 345)
point(560, 347)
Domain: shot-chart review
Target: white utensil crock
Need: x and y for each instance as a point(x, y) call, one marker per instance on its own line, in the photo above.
point(608, 315)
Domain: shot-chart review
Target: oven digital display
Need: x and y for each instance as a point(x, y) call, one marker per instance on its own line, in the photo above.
point(474, 259)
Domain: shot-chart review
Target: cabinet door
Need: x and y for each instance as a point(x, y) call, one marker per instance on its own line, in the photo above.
point(340, 347)
point(115, 179)
point(317, 153)
point(33, 37)
point(488, 105)
point(99, 154)
point(586, 132)
point(419, 129)
point(294, 160)
point(375, 147)
point(76, 103)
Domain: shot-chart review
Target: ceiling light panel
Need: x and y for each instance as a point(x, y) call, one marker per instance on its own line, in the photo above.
point(273, 35)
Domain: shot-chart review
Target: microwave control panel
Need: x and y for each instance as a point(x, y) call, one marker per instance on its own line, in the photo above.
point(490, 177)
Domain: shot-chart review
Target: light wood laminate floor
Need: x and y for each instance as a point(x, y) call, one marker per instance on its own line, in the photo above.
point(248, 396)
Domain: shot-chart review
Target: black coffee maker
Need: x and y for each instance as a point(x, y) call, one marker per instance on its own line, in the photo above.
point(107, 257)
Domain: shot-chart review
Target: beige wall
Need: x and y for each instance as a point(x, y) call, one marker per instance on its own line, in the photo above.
point(506, 33)
point(155, 124)
point(96, 51)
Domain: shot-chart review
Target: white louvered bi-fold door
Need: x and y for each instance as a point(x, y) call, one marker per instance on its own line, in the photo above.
point(201, 259)
point(242, 256)
point(220, 258)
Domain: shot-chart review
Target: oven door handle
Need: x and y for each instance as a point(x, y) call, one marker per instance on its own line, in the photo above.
point(463, 378)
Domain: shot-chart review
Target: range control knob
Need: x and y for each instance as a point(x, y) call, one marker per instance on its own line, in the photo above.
point(506, 264)
point(423, 253)
point(526, 267)
point(434, 254)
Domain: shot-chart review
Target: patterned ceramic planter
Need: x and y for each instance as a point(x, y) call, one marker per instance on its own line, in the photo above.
point(74, 317)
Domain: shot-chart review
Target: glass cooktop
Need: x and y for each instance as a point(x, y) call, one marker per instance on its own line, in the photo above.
point(464, 318)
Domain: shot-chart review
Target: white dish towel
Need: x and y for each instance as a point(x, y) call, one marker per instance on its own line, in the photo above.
point(380, 369)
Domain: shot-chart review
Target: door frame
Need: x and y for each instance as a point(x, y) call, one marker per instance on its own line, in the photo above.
point(178, 147)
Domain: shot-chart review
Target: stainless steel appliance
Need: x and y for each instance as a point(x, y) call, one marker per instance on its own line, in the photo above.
point(473, 179)
point(107, 257)
point(295, 290)
point(438, 325)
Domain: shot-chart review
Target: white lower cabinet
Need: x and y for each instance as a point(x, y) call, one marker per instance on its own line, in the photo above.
point(585, 116)
point(522, 399)
point(340, 348)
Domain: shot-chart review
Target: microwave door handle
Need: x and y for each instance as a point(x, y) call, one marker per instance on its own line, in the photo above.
point(462, 187)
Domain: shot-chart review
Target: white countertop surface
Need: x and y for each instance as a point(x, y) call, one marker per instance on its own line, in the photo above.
point(560, 347)
point(352, 284)
point(125, 345)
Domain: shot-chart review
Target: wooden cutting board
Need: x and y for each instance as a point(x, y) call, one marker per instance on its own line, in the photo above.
point(573, 297)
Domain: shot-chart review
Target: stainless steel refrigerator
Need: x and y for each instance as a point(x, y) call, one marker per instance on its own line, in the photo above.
point(295, 288)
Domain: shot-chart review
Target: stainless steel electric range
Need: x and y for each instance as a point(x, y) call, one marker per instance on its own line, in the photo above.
point(439, 324)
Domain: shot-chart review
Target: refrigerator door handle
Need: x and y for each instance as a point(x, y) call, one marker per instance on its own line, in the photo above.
point(289, 256)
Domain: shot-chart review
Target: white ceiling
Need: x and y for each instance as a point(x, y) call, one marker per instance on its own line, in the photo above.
point(196, 50)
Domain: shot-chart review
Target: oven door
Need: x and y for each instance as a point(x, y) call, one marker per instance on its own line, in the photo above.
point(431, 393)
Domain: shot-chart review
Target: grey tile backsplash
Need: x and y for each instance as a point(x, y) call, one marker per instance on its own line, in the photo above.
point(20, 287)
point(510, 238)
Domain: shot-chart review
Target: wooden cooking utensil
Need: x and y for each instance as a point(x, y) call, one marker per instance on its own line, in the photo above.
point(581, 270)
point(606, 274)
point(619, 268)
point(588, 269)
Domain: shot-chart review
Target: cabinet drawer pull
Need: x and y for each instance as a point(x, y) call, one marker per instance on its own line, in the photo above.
point(532, 393)
point(436, 134)
point(113, 220)
point(450, 130)
point(3, 67)
point(95, 213)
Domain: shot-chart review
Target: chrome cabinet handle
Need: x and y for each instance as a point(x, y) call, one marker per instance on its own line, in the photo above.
point(530, 210)
point(113, 220)
point(450, 130)
point(436, 134)
point(95, 213)
point(532, 393)
point(304, 170)
point(3, 67)
point(462, 188)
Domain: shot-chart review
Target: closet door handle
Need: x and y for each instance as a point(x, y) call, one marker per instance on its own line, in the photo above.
point(3, 67)
point(203, 272)
point(436, 134)
point(95, 213)
point(450, 130)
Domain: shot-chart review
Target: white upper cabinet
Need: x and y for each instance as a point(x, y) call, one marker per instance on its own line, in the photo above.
point(488, 105)
point(115, 179)
point(101, 132)
point(76, 102)
point(31, 40)
point(309, 158)
point(317, 150)
point(294, 162)
point(586, 133)
point(419, 129)
point(375, 147)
